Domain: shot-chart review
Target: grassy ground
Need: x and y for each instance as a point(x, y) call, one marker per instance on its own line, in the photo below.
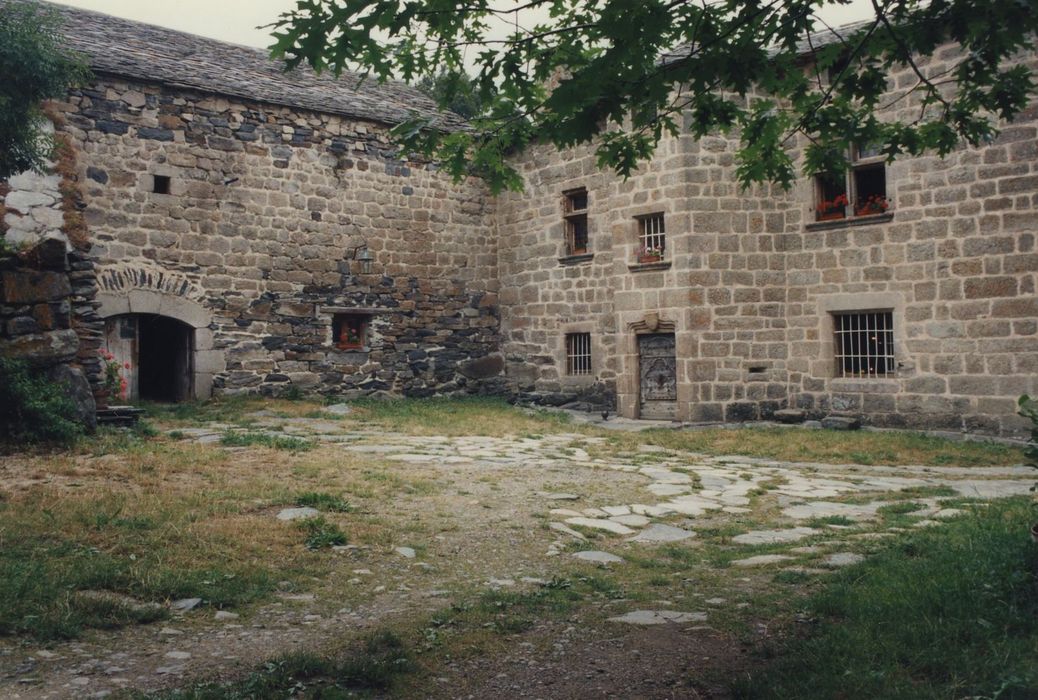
point(830, 446)
point(940, 614)
point(494, 417)
point(152, 518)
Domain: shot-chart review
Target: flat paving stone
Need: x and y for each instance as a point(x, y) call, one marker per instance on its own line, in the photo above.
point(791, 534)
point(761, 560)
point(658, 532)
point(651, 511)
point(600, 524)
point(839, 559)
point(827, 509)
point(298, 513)
point(598, 557)
point(559, 527)
point(631, 520)
point(663, 490)
point(659, 617)
point(566, 513)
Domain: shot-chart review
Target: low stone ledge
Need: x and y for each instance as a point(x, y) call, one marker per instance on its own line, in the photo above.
point(849, 222)
point(576, 259)
point(646, 267)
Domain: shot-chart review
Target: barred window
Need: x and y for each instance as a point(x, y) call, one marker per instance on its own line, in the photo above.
point(574, 213)
point(578, 353)
point(652, 237)
point(864, 343)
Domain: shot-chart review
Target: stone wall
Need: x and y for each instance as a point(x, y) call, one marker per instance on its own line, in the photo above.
point(750, 283)
point(266, 208)
point(47, 288)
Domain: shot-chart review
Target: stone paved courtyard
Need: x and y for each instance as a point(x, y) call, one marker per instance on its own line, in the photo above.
point(514, 514)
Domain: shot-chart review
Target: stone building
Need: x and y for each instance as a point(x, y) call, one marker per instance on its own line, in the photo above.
point(252, 231)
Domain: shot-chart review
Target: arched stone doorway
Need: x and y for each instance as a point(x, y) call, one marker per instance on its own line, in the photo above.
point(157, 353)
point(167, 341)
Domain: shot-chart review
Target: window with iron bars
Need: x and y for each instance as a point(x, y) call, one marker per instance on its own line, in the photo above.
point(574, 213)
point(864, 344)
point(578, 353)
point(652, 238)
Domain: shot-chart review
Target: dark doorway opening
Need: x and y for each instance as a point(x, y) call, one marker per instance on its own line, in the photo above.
point(165, 349)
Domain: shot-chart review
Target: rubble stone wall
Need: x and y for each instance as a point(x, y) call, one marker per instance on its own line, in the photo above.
point(267, 208)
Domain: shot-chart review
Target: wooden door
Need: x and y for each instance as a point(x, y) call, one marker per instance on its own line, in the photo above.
point(121, 340)
point(659, 382)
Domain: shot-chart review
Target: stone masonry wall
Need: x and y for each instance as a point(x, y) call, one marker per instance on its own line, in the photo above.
point(47, 289)
point(266, 208)
point(752, 283)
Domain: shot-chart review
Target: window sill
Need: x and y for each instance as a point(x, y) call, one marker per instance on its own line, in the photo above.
point(648, 266)
point(852, 221)
point(350, 351)
point(576, 259)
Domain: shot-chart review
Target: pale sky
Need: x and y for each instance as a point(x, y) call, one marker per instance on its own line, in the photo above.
point(237, 20)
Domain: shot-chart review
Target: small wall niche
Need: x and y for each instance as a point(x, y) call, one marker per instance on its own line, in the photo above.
point(160, 184)
point(350, 330)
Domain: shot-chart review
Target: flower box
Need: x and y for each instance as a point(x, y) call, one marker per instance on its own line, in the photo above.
point(649, 258)
point(831, 216)
point(344, 345)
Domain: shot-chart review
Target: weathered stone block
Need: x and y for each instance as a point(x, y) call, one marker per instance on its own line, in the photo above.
point(30, 287)
point(42, 349)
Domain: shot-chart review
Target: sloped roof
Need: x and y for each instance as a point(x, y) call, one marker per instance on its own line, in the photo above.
point(147, 52)
point(805, 47)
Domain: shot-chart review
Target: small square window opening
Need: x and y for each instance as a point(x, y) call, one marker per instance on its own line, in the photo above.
point(578, 353)
point(652, 238)
point(350, 331)
point(160, 184)
point(864, 344)
point(575, 215)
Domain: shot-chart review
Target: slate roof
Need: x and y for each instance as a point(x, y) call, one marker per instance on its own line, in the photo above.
point(808, 45)
point(147, 52)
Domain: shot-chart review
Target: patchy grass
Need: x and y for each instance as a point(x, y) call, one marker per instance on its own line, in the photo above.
point(454, 417)
point(946, 613)
point(375, 667)
point(326, 502)
point(320, 533)
point(277, 442)
point(841, 520)
point(154, 520)
point(835, 447)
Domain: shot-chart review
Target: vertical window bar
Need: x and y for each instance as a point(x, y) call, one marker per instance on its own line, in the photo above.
point(864, 344)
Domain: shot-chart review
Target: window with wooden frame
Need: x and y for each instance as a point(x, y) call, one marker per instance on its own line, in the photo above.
point(864, 344)
point(652, 238)
point(860, 191)
point(574, 213)
point(578, 354)
point(350, 331)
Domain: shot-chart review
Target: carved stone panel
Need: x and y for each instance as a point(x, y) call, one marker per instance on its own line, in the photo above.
point(658, 385)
